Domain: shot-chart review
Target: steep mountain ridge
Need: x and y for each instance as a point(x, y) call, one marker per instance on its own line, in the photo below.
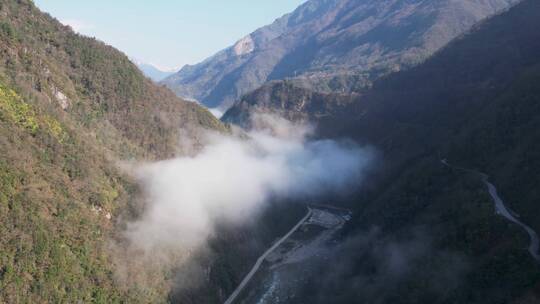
point(85, 80)
point(71, 108)
point(288, 100)
point(422, 232)
point(330, 45)
point(474, 103)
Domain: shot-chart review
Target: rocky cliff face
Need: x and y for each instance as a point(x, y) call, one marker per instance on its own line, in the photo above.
point(330, 45)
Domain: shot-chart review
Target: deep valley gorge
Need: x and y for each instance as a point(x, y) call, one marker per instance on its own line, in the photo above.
point(352, 151)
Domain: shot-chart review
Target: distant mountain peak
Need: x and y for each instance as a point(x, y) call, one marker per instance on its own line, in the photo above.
point(152, 71)
point(324, 42)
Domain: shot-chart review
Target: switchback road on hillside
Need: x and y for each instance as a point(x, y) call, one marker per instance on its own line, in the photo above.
point(505, 212)
point(261, 259)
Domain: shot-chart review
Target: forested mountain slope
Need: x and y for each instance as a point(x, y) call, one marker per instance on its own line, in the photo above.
point(288, 100)
point(91, 82)
point(331, 45)
point(71, 107)
point(425, 233)
point(422, 232)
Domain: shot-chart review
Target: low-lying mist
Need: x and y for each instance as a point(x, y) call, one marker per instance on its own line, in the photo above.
point(230, 179)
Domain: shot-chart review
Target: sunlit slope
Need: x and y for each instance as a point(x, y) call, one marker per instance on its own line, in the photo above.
point(71, 108)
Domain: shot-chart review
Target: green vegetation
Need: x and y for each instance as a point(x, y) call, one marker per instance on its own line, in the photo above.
point(71, 107)
point(105, 92)
point(7, 31)
point(51, 245)
point(12, 107)
point(475, 103)
point(15, 109)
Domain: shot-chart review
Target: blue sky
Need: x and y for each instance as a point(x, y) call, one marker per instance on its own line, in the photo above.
point(168, 33)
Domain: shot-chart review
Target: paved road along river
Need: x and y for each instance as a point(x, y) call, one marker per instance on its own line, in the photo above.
point(501, 209)
point(260, 260)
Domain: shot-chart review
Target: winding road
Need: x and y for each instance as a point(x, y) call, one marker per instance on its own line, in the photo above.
point(534, 245)
point(261, 259)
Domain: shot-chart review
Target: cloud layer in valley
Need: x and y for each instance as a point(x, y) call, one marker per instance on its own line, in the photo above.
point(232, 177)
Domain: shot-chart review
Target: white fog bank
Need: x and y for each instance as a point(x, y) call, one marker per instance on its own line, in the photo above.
point(232, 177)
